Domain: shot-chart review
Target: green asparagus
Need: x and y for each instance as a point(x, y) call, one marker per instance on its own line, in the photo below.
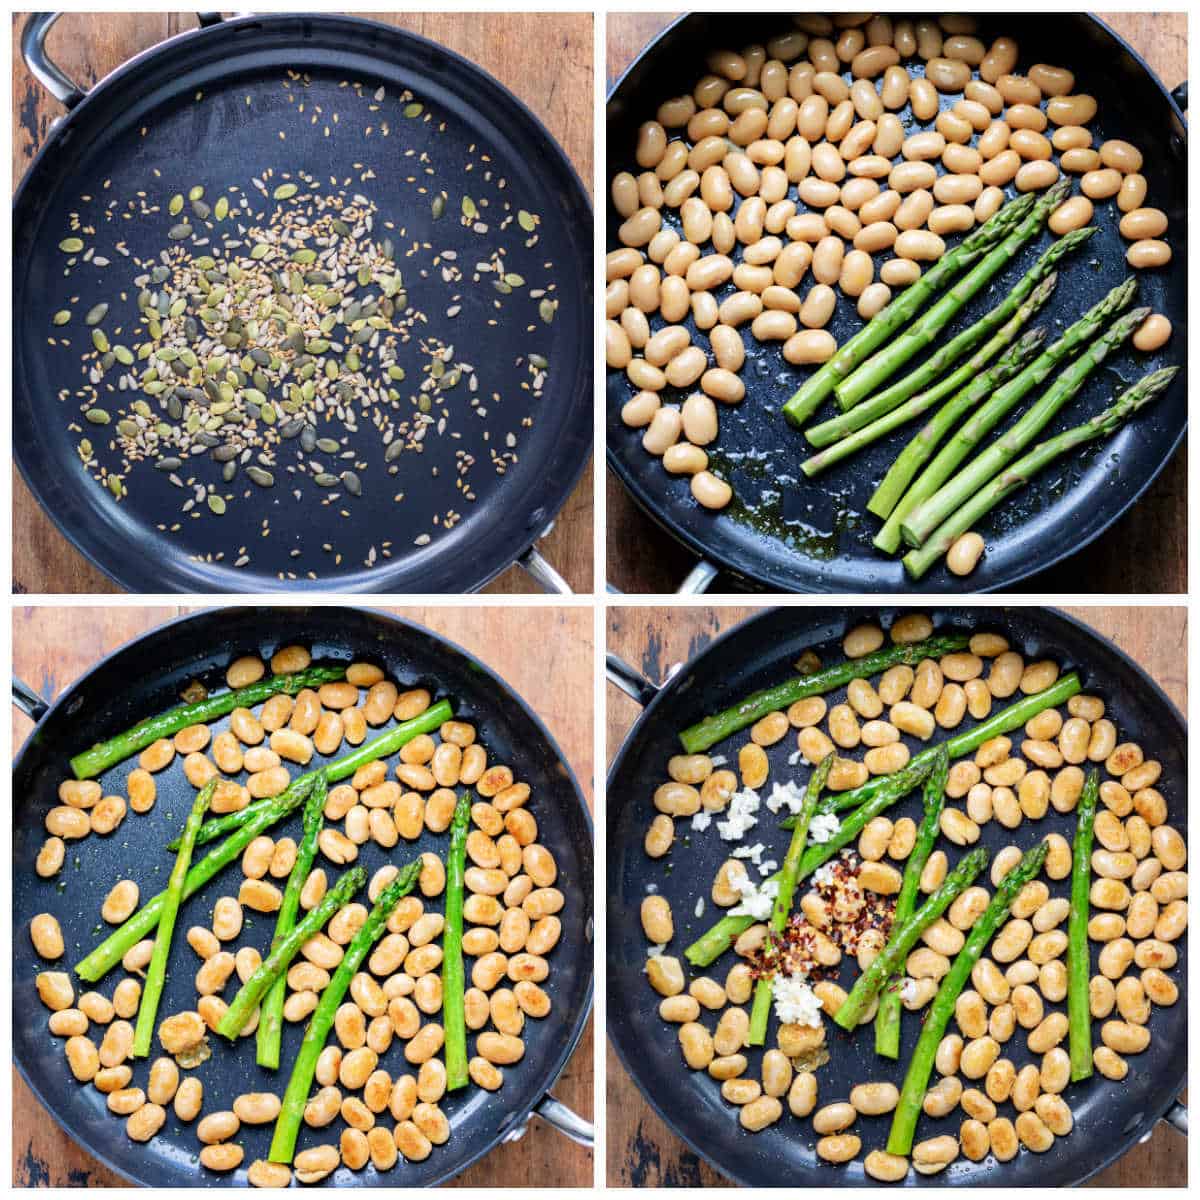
point(893, 789)
point(1079, 963)
point(967, 374)
point(712, 729)
point(110, 951)
point(926, 517)
point(1019, 473)
point(912, 1094)
point(890, 499)
point(782, 908)
point(291, 1114)
point(905, 934)
point(887, 1019)
point(270, 1021)
point(341, 768)
point(872, 374)
point(719, 937)
point(100, 757)
point(890, 320)
point(156, 973)
point(284, 950)
point(938, 385)
point(454, 1020)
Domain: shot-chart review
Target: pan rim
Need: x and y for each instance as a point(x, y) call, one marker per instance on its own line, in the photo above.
point(517, 1116)
point(378, 580)
point(769, 580)
point(1150, 1118)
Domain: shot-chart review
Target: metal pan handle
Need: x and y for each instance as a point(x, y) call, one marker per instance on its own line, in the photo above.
point(47, 72)
point(633, 683)
point(543, 574)
point(555, 1113)
point(699, 579)
point(1176, 1117)
point(29, 701)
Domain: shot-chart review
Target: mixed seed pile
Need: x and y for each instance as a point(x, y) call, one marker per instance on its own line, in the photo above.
point(383, 1079)
point(281, 321)
point(1001, 1070)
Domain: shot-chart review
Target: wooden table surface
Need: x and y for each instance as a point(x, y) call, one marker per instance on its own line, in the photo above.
point(545, 58)
point(642, 1151)
point(641, 558)
point(54, 646)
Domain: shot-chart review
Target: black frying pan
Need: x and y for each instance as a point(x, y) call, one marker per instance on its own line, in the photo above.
point(224, 141)
point(146, 676)
point(1109, 1117)
point(815, 535)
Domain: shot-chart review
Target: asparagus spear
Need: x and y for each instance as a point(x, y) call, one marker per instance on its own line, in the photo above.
point(836, 428)
point(1017, 474)
point(103, 755)
point(291, 1114)
point(719, 937)
point(894, 788)
point(699, 737)
point(156, 974)
point(887, 1019)
point(890, 499)
point(1079, 967)
point(270, 1020)
point(110, 951)
point(904, 937)
point(284, 950)
point(454, 1019)
point(912, 1094)
point(890, 358)
point(890, 320)
point(965, 376)
point(341, 768)
point(927, 516)
point(782, 908)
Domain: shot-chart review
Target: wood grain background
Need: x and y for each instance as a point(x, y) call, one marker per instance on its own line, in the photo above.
point(642, 1151)
point(641, 558)
point(54, 646)
point(545, 58)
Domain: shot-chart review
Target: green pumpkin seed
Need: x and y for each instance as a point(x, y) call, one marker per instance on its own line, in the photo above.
point(547, 309)
point(325, 480)
point(514, 280)
point(123, 355)
point(352, 483)
point(178, 232)
point(527, 221)
point(468, 208)
point(539, 361)
point(285, 191)
point(196, 192)
point(71, 245)
point(221, 208)
point(114, 486)
point(96, 314)
point(216, 504)
point(175, 205)
point(100, 341)
point(439, 205)
point(62, 316)
point(413, 110)
point(97, 416)
point(260, 477)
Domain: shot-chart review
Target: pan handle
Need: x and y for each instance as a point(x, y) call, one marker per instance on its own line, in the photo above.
point(633, 683)
point(568, 1122)
point(29, 701)
point(47, 73)
point(1176, 1117)
point(1180, 95)
point(543, 574)
point(699, 579)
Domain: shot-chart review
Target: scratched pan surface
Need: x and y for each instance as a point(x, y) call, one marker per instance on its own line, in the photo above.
point(223, 141)
point(147, 676)
point(1109, 1117)
point(788, 533)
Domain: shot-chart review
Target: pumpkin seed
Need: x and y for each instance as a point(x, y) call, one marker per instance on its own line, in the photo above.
point(413, 110)
point(547, 309)
point(96, 314)
point(62, 316)
point(221, 208)
point(439, 205)
point(352, 483)
point(285, 191)
point(175, 205)
point(97, 416)
point(178, 232)
point(527, 221)
point(468, 208)
point(71, 245)
point(216, 504)
point(260, 477)
point(99, 340)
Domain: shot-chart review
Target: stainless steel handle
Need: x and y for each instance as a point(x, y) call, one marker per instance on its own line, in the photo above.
point(632, 682)
point(568, 1122)
point(1176, 1117)
point(29, 701)
point(699, 579)
point(46, 72)
point(543, 574)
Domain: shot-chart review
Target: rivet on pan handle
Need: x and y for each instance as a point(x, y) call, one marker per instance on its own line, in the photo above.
point(29, 701)
point(555, 1113)
point(543, 574)
point(633, 683)
point(699, 579)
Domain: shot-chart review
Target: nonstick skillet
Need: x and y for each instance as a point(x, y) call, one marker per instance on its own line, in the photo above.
point(146, 676)
point(1109, 1117)
point(784, 532)
point(99, 149)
